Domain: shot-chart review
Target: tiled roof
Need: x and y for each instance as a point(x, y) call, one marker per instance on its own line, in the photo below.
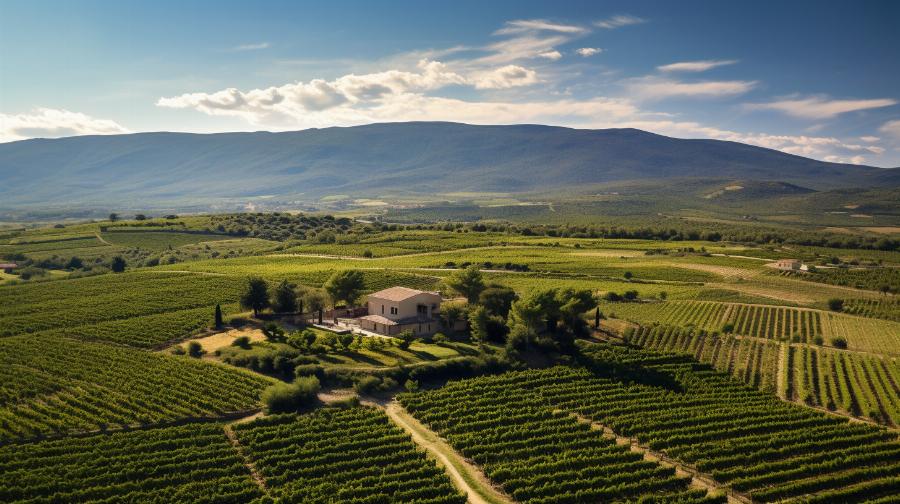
point(398, 293)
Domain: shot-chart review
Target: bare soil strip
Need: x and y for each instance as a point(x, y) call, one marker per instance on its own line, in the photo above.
point(698, 479)
point(782, 376)
point(464, 474)
point(257, 477)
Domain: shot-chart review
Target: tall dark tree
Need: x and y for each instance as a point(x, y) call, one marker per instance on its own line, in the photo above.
point(256, 295)
point(497, 299)
point(597, 318)
point(468, 282)
point(284, 299)
point(219, 321)
point(345, 285)
point(113, 217)
point(117, 265)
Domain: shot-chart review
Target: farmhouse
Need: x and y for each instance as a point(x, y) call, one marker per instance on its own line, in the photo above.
point(789, 264)
point(398, 309)
point(8, 267)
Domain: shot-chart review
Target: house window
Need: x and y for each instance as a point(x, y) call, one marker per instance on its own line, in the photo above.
point(422, 309)
point(382, 309)
point(394, 310)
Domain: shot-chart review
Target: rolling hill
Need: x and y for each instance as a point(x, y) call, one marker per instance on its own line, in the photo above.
point(377, 159)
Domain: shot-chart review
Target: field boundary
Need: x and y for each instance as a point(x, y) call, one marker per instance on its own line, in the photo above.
point(248, 463)
point(465, 475)
point(698, 479)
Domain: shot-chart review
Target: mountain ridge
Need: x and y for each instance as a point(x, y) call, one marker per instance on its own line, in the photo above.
point(383, 158)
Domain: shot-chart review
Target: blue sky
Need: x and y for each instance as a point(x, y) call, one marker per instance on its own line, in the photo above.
point(818, 79)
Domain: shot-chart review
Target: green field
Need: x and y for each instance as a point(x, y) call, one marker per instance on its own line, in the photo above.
point(755, 445)
point(732, 371)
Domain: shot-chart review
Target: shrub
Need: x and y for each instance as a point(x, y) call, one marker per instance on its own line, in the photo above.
point(728, 328)
point(242, 342)
point(117, 265)
point(178, 350)
point(839, 342)
point(273, 332)
point(835, 304)
point(195, 349)
point(406, 339)
point(818, 340)
point(367, 385)
point(288, 397)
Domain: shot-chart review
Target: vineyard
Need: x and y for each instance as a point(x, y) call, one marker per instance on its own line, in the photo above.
point(539, 455)
point(756, 445)
point(869, 279)
point(49, 305)
point(353, 455)
point(54, 385)
point(147, 331)
point(192, 463)
point(755, 362)
point(859, 385)
point(855, 384)
point(885, 308)
point(797, 325)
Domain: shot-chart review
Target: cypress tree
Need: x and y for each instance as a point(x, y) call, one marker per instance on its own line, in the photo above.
point(219, 323)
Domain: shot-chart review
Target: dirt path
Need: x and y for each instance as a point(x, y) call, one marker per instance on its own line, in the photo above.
point(464, 474)
point(698, 479)
point(782, 374)
point(97, 234)
point(232, 438)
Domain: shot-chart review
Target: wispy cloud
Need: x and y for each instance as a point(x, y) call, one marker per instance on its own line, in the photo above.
point(252, 47)
point(618, 21)
point(53, 123)
point(588, 51)
point(820, 107)
point(694, 66)
point(656, 88)
point(891, 128)
point(550, 55)
point(526, 25)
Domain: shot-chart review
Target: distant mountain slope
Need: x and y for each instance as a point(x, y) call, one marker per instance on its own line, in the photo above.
point(385, 158)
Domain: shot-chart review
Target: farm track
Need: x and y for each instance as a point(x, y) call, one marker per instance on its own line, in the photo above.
point(698, 479)
point(464, 474)
point(232, 438)
point(97, 234)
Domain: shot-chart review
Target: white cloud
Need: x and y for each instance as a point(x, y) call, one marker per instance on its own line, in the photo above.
point(53, 123)
point(285, 106)
point(527, 25)
point(857, 160)
point(588, 51)
point(618, 21)
point(694, 66)
point(505, 77)
point(891, 128)
point(550, 55)
point(869, 139)
point(655, 88)
point(252, 47)
point(519, 48)
point(819, 107)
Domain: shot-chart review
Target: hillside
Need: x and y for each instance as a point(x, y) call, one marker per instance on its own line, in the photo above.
point(377, 159)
